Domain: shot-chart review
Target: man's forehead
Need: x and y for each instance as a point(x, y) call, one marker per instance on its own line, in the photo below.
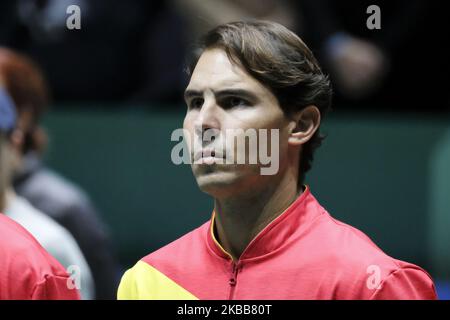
point(215, 70)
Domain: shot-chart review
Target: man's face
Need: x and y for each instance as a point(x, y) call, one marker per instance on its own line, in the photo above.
point(223, 96)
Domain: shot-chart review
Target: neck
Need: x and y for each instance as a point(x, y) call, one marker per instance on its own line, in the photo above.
point(238, 219)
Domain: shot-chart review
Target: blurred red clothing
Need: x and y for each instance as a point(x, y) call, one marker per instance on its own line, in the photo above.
point(27, 271)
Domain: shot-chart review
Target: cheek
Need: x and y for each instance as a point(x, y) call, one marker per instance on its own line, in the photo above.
point(261, 117)
point(256, 118)
point(188, 121)
point(188, 127)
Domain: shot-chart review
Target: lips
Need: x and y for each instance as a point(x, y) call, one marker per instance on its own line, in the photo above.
point(208, 154)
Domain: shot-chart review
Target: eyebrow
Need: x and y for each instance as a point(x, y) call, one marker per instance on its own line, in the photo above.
point(226, 92)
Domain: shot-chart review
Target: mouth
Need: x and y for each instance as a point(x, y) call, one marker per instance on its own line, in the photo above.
point(208, 156)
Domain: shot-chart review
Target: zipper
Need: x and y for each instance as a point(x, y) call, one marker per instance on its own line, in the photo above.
point(233, 279)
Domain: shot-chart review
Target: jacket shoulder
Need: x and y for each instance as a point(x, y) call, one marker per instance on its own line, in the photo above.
point(148, 278)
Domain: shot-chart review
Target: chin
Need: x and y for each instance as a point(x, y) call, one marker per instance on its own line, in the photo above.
point(219, 184)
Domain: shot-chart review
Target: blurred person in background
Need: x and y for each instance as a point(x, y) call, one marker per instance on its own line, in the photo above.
point(126, 51)
point(395, 67)
point(45, 189)
point(205, 15)
point(27, 271)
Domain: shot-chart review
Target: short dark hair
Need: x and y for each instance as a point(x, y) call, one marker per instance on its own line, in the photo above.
point(281, 61)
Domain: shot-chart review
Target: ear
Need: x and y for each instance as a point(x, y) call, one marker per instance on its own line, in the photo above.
point(304, 124)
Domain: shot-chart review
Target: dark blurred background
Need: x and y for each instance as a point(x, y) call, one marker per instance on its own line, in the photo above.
point(117, 84)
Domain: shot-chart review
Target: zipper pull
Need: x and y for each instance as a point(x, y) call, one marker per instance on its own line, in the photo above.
point(233, 275)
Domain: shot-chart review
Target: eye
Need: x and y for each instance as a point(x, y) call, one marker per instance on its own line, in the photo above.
point(233, 102)
point(196, 103)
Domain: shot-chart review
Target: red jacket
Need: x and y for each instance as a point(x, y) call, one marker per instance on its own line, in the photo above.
point(303, 254)
point(27, 271)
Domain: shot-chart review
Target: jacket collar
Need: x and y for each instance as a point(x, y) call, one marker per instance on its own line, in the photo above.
point(285, 228)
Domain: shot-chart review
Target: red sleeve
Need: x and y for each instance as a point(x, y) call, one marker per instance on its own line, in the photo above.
point(54, 288)
point(406, 284)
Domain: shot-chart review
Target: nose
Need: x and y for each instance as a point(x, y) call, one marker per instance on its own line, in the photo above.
point(207, 118)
